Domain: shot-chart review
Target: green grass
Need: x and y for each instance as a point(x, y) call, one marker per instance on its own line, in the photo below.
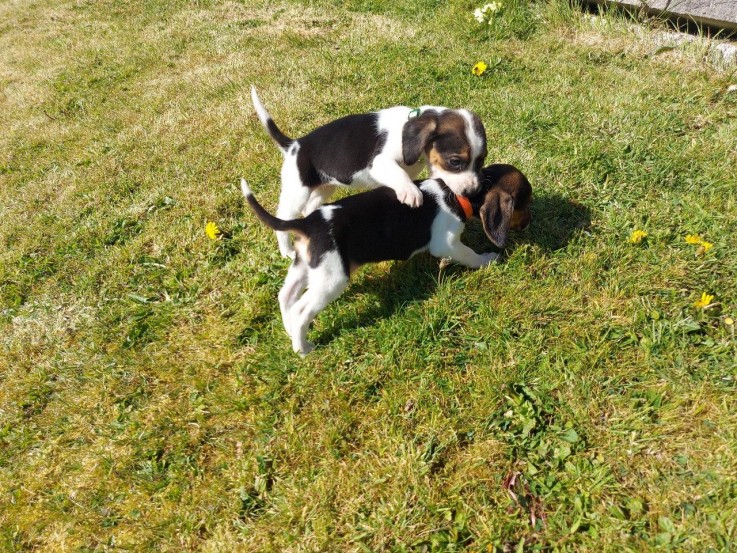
point(149, 398)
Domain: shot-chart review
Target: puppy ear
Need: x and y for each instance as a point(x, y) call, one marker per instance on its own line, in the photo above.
point(416, 133)
point(496, 214)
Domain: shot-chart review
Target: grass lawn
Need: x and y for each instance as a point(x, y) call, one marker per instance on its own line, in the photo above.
point(570, 398)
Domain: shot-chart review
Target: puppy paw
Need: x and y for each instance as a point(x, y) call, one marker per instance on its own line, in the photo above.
point(304, 349)
point(410, 195)
point(489, 258)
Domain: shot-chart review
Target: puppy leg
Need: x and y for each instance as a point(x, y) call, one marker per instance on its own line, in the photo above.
point(387, 171)
point(326, 283)
point(292, 199)
point(304, 312)
point(319, 196)
point(294, 285)
point(460, 253)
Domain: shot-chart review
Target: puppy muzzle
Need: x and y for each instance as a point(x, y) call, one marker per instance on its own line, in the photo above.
point(466, 183)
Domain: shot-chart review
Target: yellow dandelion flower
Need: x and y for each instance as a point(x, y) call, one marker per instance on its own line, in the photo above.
point(696, 240)
point(704, 301)
point(479, 68)
point(638, 236)
point(729, 321)
point(212, 231)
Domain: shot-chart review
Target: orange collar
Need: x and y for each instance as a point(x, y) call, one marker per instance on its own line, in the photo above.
point(465, 206)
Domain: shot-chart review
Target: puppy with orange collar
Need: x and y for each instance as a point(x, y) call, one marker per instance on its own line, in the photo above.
point(383, 148)
point(333, 241)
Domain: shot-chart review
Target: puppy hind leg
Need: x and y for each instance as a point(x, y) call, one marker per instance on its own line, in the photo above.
point(293, 198)
point(319, 196)
point(291, 202)
point(294, 285)
point(324, 287)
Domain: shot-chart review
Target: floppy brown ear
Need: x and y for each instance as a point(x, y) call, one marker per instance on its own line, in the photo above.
point(495, 215)
point(416, 133)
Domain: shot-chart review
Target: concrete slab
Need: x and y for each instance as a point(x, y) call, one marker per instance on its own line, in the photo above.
point(715, 13)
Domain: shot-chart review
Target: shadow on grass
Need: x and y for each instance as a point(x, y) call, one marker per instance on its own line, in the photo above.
point(555, 220)
point(407, 282)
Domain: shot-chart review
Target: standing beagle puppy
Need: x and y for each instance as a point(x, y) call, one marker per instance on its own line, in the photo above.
point(383, 148)
point(336, 239)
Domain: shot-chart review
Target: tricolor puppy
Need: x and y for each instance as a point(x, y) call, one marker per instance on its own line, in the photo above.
point(383, 148)
point(333, 241)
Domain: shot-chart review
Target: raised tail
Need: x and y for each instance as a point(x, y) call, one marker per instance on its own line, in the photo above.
point(267, 218)
point(282, 140)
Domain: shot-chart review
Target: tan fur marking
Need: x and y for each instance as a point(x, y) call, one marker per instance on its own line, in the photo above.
point(520, 219)
point(435, 158)
point(453, 123)
point(302, 247)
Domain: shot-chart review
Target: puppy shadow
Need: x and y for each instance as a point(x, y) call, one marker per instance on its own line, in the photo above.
point(555, 220)
point(387, 293)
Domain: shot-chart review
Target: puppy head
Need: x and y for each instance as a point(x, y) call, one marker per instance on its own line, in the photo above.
point(454, 143)
point(502, 202)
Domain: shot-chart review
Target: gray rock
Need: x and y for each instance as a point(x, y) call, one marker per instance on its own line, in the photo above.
point(720, 53)
point(717, 13)
point(727, 53)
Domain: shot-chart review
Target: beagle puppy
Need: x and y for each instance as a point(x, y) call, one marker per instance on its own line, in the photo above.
point(383, 148)
point(336, 239)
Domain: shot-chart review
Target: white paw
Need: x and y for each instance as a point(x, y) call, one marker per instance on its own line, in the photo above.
point(410, 195)
point(304, 348)
point(489, 258)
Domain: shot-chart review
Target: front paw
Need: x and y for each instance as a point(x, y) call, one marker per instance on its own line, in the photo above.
point(488, 258)
point(410, 195)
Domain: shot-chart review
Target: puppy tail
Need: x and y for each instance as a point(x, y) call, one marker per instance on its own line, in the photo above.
point(282, 140)
point(265, 217)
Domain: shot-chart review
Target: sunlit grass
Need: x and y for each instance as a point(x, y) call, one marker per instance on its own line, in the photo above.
point(577, 396)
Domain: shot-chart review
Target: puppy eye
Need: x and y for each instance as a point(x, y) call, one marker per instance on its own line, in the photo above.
point(456, 162)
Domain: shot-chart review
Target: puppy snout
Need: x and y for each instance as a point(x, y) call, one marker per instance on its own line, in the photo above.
point(475, 181)
point(471, 183)
point(465, 183)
